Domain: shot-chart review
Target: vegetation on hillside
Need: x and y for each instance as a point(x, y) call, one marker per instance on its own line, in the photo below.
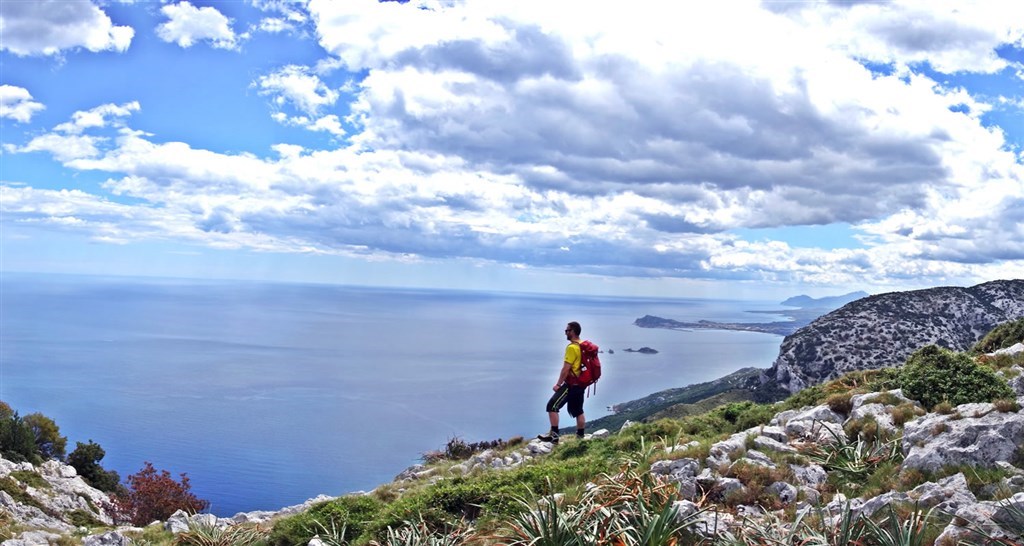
point(147, 496)
point(1002, 336)
point(554, 499)
point(600, 491)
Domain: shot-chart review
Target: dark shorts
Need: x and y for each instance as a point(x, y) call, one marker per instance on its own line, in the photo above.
point(572, 395)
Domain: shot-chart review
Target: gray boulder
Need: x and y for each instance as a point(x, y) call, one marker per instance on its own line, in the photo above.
point(811, 475)
point(785, 492)
point(938, 441)
point(722, 453)
point(948, 494)
point(33, 538)
point(110, 538)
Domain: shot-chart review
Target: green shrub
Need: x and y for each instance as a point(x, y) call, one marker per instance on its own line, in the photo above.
point(933, 375)
point(349, 515)
point(83, 518)
point(46, 434)
point(17, 440)
point(86, 461)
point(1000, 337)
point(746, 414)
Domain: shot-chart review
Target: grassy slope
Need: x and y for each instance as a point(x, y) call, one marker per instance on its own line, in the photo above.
point(644, 408)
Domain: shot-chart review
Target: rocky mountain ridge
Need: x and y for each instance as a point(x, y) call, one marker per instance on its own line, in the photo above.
point(883, 330)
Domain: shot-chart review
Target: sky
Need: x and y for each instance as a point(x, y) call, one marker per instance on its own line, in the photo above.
point(688, 149)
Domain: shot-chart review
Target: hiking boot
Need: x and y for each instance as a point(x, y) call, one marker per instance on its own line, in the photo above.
point(549, 437)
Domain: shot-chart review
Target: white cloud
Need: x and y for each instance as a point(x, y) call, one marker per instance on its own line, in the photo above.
point(326, 124)
point(295, 86)
point(49, 27)
point(16, 103)
point(952, 36)
point(274, 25)
point(188, 24)
point(790, 132)
point(98, 117)
point(62, 147)
point(604, 138)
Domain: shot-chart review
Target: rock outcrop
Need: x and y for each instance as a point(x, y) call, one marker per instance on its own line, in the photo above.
point(49, 499)
point(882, 331)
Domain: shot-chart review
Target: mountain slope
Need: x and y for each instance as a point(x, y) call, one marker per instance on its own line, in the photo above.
point(883, 330)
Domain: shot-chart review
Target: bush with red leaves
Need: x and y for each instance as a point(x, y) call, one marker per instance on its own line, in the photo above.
point(153, 496)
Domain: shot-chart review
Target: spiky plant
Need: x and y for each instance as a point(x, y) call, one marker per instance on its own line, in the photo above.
point(333, 536)
point(643, 524)
point(550, 525)
point(853, 459)
point(809, 528)
point(896, 531)
point(210, 535)
point(419, 533)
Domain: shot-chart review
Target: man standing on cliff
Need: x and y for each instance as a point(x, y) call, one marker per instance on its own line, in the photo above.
point(566, 391)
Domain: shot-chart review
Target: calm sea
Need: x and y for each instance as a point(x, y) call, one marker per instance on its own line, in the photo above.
point(269, 394)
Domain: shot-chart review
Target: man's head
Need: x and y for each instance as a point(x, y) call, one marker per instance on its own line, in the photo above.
point(572, 330)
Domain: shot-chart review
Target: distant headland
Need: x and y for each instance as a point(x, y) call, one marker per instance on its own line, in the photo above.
point(808, 309)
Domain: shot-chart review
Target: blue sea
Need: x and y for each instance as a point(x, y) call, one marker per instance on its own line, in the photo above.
point(269, 394)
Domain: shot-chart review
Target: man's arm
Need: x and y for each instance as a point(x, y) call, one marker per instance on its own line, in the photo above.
point(566, 370)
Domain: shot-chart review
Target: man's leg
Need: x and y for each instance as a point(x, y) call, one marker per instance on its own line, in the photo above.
point(576, 409)
point(554, 405)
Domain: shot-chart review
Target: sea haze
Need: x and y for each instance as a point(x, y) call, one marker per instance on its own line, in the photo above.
point(269, 394)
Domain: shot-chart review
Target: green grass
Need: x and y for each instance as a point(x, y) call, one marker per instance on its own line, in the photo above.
point(15, 490)
point(30, 478)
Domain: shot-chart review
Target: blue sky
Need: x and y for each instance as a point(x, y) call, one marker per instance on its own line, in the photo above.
point(719, 149)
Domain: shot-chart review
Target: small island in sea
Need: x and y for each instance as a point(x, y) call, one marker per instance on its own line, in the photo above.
point(807, 310)
point(642, 350)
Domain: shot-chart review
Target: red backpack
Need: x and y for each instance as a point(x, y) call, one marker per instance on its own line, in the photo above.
point(590, 365)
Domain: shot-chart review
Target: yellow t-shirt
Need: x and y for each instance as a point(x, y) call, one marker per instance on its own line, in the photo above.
point(573, 356)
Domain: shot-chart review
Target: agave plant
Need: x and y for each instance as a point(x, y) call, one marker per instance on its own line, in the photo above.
point(333, 536)
point(550, 525)
point(810, 527)
point(853, 459)
point(420, 534)
point(644, 524)
point(210, 535)
point(896, 531)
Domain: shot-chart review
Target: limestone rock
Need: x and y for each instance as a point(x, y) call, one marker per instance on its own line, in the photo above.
point(786, 492)
point(722, 452)
point(981, 441)
point(948, 494)
point(811, 475)
point(110, 538)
